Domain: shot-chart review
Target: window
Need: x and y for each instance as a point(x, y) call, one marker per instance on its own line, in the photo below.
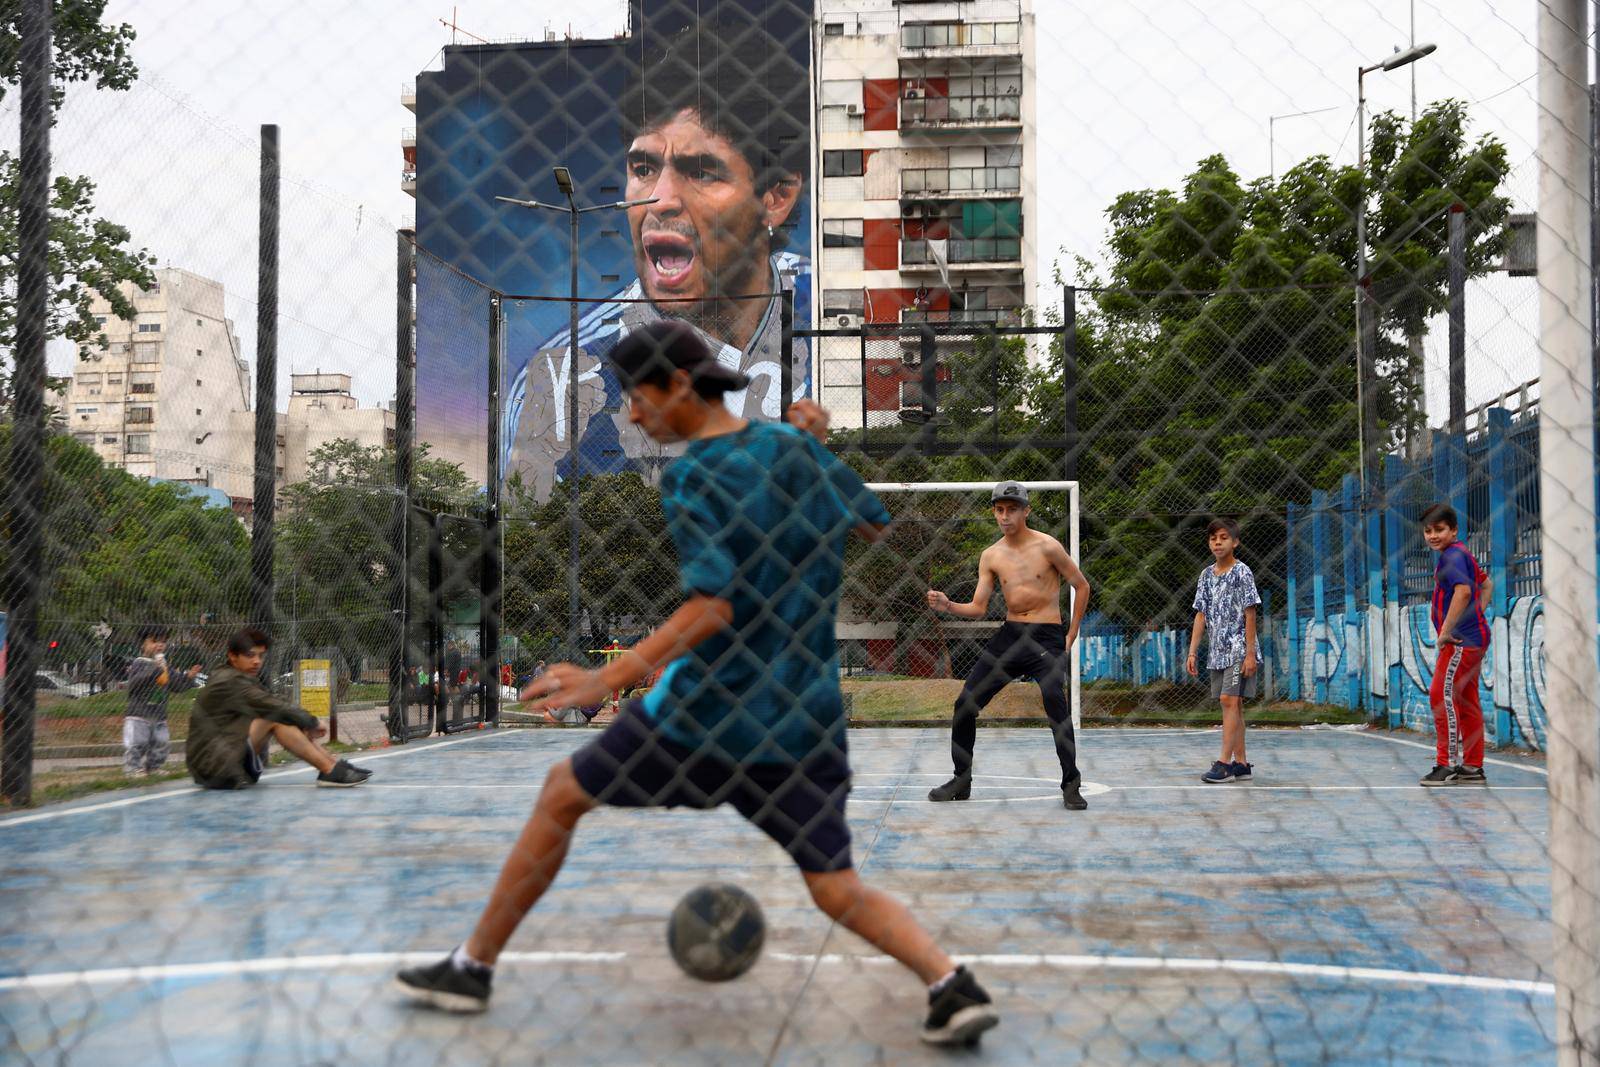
point(197, 383)
point(197, 411)
point(841, 233)
point(198, 355)
point(197, 322)
point(113, 379)
point(149, 327)
point(80, 410)
point(836, 302)
point(83, 438)
point(138, 444)
point(833, 29)
point(99, 320)
point(137, 416)
point(87, 379)
point(109, 439)
point(840, 93)
point(842, 164)
point(1003, 155)
point(142, 387)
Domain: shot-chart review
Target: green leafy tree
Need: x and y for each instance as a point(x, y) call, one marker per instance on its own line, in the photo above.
point(335, 564)
point(89, 256)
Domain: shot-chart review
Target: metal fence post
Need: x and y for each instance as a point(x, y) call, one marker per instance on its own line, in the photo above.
point(266, 458)
point(1501, 537)
point(1350, 529)
point(400, 511)
point(436, 625)
point(1069, 379)
point(489, 591)
point(1395, 472)
point(1319, 607)
point(786, 352)
point(1292, 594)
point(25, 475)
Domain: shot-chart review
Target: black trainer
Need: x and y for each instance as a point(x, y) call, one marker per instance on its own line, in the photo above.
point(957, 788)
point(1440, 775)
point(445, 986)
point(343, 776)
point(1465, 775)
point(959, 1013)
point(362, 771)
point(1072, 797)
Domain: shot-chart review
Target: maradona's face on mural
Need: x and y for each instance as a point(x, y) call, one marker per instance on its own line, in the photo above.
point(706, 235)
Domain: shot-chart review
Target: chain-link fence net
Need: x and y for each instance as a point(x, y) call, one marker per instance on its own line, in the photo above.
point(1171, 599)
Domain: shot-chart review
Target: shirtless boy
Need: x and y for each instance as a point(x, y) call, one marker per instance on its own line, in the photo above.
point(1029, 567)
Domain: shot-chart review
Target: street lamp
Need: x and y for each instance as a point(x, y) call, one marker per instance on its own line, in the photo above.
point(564, 184)
point(1366, 385)
point(1272, 152)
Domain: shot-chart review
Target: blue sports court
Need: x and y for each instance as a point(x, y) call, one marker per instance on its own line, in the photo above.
point(1330, 911)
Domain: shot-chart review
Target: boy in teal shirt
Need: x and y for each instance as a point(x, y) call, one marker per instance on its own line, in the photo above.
point(748, 711)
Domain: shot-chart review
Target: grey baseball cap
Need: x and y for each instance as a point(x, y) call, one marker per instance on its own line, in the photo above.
point(1009, 491)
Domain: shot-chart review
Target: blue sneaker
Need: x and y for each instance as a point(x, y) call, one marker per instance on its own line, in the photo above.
point(1220, 772)
point(1241, 771)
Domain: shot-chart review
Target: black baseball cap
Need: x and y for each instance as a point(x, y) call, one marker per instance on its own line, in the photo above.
point(1009, 491)
point(667, 345)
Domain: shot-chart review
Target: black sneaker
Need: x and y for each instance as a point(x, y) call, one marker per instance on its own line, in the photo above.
point(1241, 771)
point(959, 1013)
point(362, 771)
point(445, 986)
point(1465, 775)
point(1440, 775)
point(957, 788)
point(1220, 772)
point(343, 776)
point(1072, 798)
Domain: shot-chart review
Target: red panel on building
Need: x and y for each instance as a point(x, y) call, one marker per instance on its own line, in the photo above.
point(881, 96)
point(880, 244)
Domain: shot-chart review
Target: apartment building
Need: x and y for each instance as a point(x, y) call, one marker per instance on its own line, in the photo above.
point(925, 169)
point(156, 399)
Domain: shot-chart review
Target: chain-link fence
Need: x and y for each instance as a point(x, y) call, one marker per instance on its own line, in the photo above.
point(1172, 598)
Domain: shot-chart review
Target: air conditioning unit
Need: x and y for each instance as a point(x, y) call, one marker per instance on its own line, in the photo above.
point(848, 322)
point(852, 109)
point(914, 94)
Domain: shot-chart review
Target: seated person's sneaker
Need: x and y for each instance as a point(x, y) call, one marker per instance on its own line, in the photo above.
point(1440, 775)
point(1241, 771)
point(957, 788)
point(959, 1013)
point(1219, 772)
point(1465, 775)
point(343, 776)
point(447, 986)
point(1072, 797)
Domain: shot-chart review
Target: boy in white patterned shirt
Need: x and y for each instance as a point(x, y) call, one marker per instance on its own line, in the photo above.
point(1225, 599)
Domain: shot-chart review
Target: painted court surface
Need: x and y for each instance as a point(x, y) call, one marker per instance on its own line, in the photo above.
point(1330, 911)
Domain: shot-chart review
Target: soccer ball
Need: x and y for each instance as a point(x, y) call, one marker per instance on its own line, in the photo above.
point(716, 932)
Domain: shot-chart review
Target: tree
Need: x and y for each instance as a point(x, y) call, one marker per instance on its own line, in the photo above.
point(88, 255)
point(335, 565)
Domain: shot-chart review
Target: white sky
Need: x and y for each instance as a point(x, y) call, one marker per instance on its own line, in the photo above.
point(1132, 94)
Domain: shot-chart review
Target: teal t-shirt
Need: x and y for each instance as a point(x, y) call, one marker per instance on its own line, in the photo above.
point(760, 518)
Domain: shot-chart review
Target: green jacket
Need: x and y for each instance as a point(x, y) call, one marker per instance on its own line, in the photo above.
point(219, 726)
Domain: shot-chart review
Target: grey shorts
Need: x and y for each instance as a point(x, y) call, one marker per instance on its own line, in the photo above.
point(1233, 682)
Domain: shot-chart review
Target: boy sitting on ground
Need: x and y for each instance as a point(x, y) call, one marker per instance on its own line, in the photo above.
point(235, 719)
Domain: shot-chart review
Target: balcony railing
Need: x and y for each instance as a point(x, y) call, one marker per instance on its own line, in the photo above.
point(959, 181)
point(915, 252)
point(916, 36)
point(998, 316)
point(997, 110)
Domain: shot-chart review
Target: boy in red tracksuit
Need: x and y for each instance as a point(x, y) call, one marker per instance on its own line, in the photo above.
point(1461, 589)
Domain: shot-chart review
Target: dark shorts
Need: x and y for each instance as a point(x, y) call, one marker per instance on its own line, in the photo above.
point(250, 766)
point(800, 806)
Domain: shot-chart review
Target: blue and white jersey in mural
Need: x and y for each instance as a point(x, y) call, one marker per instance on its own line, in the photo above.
point(1222, 598)
point(534, 431)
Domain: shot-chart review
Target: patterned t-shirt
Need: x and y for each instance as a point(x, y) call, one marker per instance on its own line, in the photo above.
point(760, 518)
point(1222, 599)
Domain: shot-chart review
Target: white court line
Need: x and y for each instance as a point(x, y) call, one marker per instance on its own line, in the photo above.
point(145, 798)
point(1376, 736)
point(283, 964)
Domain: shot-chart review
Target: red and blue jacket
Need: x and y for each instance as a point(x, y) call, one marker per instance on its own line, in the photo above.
point(1456, 566)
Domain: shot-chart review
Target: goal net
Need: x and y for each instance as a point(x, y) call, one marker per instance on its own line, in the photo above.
point(900, 660)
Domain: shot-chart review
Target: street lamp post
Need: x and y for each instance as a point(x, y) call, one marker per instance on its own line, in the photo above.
point(1366, 371)
point(564, 184)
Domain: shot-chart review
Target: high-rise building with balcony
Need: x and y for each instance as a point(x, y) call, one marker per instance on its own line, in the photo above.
point(156, 399)
point(925, 152)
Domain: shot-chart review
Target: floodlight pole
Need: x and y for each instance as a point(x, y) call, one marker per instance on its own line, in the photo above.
point(564, 184)
point(1272, 151)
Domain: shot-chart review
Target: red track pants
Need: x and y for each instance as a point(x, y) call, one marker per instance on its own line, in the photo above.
point(1457, 712)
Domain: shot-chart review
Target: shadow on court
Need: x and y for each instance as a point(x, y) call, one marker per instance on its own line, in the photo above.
point(1330, 911)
